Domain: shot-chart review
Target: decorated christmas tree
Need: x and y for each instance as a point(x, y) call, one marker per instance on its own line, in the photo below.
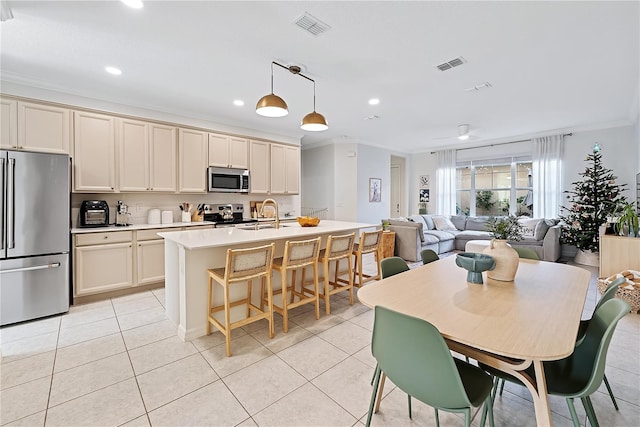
point(590, 203)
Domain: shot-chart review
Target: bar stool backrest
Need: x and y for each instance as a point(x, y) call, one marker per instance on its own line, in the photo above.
point(301, 253)
point(243, 264)
point(339, 246)
point(369, 241)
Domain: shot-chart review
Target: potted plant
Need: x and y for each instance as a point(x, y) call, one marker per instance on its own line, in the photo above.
point(507, 259)
point(627, 217)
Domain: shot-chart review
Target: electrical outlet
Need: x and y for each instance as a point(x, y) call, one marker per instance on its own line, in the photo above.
point(139, 207)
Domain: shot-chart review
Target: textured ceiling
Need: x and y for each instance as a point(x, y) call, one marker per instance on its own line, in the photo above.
point(553, 66)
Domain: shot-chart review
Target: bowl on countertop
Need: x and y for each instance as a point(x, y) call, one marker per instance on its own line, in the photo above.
point(308, 221)
point(475, 264)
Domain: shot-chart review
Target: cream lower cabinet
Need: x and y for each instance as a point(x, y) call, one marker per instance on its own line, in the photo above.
point(103, 262)
point(149, 257)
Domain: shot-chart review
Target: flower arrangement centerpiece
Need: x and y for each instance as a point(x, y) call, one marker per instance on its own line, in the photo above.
point(591, 201)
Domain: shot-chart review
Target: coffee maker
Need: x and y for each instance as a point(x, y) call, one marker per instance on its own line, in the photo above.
point(122, 214)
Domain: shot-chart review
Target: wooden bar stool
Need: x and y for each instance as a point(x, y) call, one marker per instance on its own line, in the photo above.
point(369, 243)
point(242, 265)
point(297, 255)
point(338, 248)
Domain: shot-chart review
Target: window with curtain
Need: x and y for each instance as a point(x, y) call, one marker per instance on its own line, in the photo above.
point(446, 182)
point(495, 187)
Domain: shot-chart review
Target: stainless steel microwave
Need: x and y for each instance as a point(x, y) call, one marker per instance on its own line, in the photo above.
point(227, 180)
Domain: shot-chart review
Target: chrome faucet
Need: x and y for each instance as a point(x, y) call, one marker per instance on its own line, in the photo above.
point(275, 205)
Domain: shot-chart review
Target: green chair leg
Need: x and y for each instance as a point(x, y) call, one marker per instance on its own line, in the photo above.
point(409, 399)
point(467, 417)
point(377, 374)
point(613, 399)
point(437, 419)
point(591, 414)
point(572, 410)
point(502, 386)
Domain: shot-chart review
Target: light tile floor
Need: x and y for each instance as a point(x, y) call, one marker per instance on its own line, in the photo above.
point(119, 362)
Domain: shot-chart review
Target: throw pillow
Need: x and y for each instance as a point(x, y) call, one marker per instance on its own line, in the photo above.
point(459, 221)
point(529, 225)
point(541, 230)
point(443, 223)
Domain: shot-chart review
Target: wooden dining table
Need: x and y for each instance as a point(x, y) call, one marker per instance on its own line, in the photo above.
point(507, 325)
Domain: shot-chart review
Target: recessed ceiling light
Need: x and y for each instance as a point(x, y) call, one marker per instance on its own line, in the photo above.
point(238, 102)
point(134, 4)
point(374, 101)
point(113, 70)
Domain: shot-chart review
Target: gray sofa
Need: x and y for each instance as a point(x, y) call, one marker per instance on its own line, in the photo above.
point(444, 234)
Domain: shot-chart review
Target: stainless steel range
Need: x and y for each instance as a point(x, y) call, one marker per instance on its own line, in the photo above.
point(226, 215)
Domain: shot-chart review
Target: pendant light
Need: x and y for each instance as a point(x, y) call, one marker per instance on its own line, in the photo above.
point(314, 122)
point(272, 105)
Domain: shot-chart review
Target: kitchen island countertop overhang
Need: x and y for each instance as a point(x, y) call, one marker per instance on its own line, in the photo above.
point(189, 254)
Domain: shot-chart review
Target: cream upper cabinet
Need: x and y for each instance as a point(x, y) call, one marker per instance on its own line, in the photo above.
point(133, 155)
point(94, 152)
point(147, 156)
point(41, 128)
point(162, 158)
point(285, 169)
point(228, 151)
point(259, 167)
point(8, 123)
point(192, 161)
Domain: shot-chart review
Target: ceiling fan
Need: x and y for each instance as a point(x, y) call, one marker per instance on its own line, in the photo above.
point(464, 134)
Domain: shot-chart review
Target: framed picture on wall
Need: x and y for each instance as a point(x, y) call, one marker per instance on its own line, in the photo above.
point(375, 190)
point(424, 181)
point(424, 195)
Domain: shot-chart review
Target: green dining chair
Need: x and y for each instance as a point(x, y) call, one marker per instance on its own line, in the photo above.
point(580, 374)
point(413, 354)
point(527, 253)
point(428, 256)
point(390, 267)
point(393, 265)
point(584, 324)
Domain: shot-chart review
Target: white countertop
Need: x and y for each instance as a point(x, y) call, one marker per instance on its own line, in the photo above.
point(222, 237)
point(137, 227)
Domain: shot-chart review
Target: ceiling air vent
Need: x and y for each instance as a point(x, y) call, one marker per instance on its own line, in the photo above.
point(311, 24)
point(450, 64)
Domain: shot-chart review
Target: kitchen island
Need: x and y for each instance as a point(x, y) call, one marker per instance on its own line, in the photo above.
point(189, 254)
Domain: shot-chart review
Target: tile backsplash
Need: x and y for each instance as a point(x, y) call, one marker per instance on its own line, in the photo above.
point(140, 203)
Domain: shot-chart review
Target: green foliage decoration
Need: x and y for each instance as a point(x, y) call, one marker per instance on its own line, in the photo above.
point(506, 228)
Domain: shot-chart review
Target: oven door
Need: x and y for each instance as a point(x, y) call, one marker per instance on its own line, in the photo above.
point(227, 180)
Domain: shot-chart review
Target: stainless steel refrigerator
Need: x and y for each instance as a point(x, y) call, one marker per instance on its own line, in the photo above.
point(35, 225)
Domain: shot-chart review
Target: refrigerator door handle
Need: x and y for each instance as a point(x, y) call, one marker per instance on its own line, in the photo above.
point(35, 267)
point(3, 194)
point(10, 205)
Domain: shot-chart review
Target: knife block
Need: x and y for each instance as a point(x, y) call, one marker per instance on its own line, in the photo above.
point(197, 218)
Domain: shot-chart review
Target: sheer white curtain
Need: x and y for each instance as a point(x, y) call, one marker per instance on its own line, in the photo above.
point(547, 176)
point(446, 183)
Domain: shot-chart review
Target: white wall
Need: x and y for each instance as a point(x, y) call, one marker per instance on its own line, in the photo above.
point(619, 153)
point(318, 179)
point(373, 162)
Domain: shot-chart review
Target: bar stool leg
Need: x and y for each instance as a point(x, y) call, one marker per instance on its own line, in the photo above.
point(285, 311)
point(249, 286)
point(269, 303)
point(316, 291)
point(227, 320)
point(327, 295)
point(349, 269)
point(210, 284)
